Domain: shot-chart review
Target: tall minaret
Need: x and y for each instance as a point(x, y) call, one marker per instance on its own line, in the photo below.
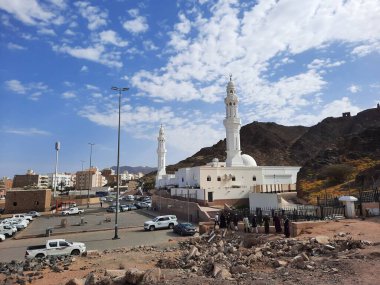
point(161, 155)
point(232, 124)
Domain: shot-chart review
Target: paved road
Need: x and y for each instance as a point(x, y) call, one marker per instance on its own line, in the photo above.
point(93, 219)
point(15, 249)
point(131, 233)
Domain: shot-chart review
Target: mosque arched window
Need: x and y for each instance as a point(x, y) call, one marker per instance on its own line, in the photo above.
point(209, 178)
point(219, 179)
point(254, 178)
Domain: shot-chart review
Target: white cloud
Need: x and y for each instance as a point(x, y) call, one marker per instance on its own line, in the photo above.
point(110, 37)
point(354, 88)
point(84, 68)
point(95, 16)
point(29, 12)
point(69, 32)
point(331, 109)
point(366, 49)
point(68, 95)
point(26, 132)
point(59, 3)
point(136, 25)
point(15, 86)
point(34, 89)
point(91, 87)
point(184, 129)
point(96, 95)
point(95, 53)
point(324, 63)
point(250, 43)
point(47, 32)
point(149, 45)
point(13, 46)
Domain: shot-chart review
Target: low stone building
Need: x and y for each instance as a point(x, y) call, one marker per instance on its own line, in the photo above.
point(20, 200)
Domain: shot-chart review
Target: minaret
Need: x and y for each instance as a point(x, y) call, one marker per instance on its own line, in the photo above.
point(232, 124)
point(161, 155)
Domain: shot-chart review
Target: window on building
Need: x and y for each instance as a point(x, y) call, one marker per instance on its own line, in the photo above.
point(254, 178)
point(209, 178)
point(182, 179)
point(219, 179)
point(36, 203)
point(15, 204)
point(233, 178)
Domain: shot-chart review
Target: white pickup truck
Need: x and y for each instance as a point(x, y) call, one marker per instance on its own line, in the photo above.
point(55, 247)
point(72, 211)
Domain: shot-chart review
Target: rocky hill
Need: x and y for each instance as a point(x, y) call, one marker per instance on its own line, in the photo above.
point(135, 169)
point(352, 141)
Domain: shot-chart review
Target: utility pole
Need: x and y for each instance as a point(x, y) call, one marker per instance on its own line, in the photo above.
point(120, 89)
point(55, 181)
point(90, 176)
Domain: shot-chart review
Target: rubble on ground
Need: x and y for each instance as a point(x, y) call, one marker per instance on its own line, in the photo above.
point(229, 256)
point(219, 256)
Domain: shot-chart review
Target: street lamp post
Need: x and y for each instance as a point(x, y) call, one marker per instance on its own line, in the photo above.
point(188, 201)
point(55, 180)
point(120, 89)
point(90, 176)
point(81, 187)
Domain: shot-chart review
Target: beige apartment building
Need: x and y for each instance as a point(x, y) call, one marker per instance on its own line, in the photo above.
point(89, 178)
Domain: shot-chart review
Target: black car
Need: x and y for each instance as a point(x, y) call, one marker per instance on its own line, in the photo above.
point(185, 229)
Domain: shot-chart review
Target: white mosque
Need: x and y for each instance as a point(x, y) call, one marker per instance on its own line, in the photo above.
point(232, 181)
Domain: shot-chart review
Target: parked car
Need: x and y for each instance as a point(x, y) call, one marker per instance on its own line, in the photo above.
point(184, 229)
point(124, 208)
point(72, 211)
point(2, 237)
point(161, 222)
point(9, 227)
point(33, 214)
point(130, 197)
point(103, 199)
point(131, 207)
point(55, 247)
point(18, 223)
point(112, 209)
point(141, 205)
point(23, 216)
point(6, 232)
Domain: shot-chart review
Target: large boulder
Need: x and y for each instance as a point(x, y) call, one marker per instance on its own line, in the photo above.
point(133, 276)
point(152, 276)
point(76, 281)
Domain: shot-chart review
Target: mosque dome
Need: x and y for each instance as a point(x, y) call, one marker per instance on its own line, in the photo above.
point(248, 160)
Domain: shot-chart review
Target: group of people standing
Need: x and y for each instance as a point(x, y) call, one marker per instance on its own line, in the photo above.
point(229, 220)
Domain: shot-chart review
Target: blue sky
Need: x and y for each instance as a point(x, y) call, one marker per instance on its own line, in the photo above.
point(293, 62)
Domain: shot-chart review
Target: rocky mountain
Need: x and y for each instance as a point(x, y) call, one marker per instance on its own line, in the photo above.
point(135, 169)
point(268, 143)
point(352, 140)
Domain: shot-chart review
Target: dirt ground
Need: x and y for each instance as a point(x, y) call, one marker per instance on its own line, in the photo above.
point(364, 270)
